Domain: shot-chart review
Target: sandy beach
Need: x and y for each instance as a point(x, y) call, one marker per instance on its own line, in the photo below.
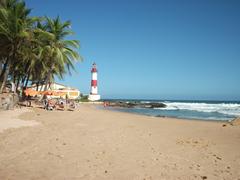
point(92, 143)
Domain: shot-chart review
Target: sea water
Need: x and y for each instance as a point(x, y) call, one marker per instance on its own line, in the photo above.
point(202, 110)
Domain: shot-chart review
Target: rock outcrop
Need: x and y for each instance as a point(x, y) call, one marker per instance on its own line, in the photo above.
point(134, 104)
point(8, 101)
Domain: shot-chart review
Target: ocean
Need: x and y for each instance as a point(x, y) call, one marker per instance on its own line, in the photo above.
point(199, 110)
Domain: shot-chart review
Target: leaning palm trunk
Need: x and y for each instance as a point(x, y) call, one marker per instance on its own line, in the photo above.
point(1, 67)
point(18, 81)
point(5, 64)
point(47, 80)
point(26, 83)
point(48, 77)
point(5, 76)
point(9, 61)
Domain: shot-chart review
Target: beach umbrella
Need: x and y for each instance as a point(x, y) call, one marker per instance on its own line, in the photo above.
point(30, 92)
point(48, 93)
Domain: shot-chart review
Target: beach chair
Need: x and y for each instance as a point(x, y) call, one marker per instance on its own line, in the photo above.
point(51, 105)
point(61, 105)
point(72, 106)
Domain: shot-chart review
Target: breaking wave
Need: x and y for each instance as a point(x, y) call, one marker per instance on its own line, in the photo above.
point(232, 109)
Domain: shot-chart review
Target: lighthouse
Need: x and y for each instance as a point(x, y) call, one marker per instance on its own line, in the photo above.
point(94, 96)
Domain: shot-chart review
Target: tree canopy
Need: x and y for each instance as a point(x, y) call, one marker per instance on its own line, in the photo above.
point(33, 49)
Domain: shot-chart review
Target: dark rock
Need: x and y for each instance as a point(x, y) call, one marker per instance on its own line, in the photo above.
point(136, 104)
point(157, 105)
point(161, 116)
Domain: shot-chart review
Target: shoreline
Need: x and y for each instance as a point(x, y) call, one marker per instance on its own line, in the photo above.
point(18, 121)
point(171, 117)
point(197, 110)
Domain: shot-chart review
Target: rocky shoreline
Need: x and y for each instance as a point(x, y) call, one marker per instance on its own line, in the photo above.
point(134, 104)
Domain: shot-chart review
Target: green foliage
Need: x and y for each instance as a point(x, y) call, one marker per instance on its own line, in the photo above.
point(35, 49)
point(83, 98)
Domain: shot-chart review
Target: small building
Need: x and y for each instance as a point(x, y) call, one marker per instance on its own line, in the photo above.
point(58, 90)
point(53, 86)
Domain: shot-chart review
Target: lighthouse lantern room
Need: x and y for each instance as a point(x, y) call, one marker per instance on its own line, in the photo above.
point(94, 96)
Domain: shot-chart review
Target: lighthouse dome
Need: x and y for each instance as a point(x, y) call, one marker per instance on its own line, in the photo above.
point(94, 68)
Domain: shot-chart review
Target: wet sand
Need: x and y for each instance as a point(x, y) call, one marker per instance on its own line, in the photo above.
point(91, 143)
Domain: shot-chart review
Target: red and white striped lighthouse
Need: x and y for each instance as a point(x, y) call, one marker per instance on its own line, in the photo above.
point(94, 96)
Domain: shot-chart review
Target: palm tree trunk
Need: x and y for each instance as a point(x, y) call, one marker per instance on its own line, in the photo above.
point(37, 84)
point(47, 80)
point(23, 81)
point(8, 64)
point(5, 75)
point(1, 68)
point(26, 83)
point(23, 78)
point(18, 81)
point(48, 77)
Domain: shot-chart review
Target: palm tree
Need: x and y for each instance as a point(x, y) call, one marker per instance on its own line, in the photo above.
point(14, 26)
point(32, 64)
point(33, 49)
point(60, 53)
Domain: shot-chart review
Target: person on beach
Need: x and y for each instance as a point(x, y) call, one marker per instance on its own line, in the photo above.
point(50, 105)
point(105, 104)
point(66, 97)
point(61, 103)
point(29, 102)
point(45, 102)
point(72, 105)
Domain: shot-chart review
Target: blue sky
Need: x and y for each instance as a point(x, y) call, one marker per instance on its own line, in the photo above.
point(171, 49)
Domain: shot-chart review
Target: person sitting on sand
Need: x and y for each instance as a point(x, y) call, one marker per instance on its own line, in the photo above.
point(28, 99)
point(61, 103)
point(45, 103)
point(72, 105)
point(51, 105)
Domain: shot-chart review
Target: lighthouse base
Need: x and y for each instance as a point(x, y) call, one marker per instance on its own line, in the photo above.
point(94, 97)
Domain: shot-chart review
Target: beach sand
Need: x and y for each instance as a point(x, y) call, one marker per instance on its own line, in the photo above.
point(91, 143)
point(9, 119)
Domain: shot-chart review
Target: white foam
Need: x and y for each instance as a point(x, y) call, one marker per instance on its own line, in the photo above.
point(224, 108)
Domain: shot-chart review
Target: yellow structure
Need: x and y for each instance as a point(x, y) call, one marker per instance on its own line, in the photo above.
point(56, 90)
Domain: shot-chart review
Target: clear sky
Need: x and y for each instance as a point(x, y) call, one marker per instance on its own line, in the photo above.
point(169, 49)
